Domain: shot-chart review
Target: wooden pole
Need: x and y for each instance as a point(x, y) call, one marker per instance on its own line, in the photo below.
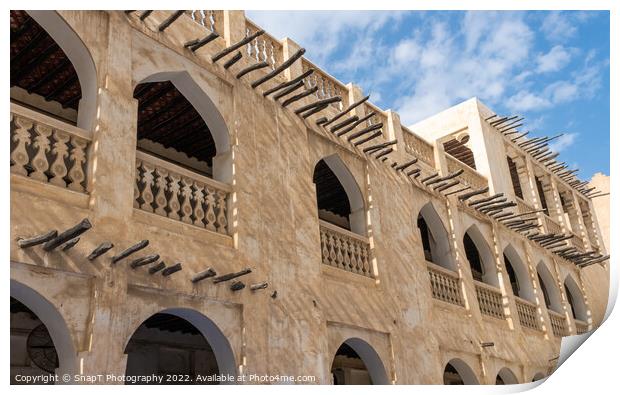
point(67, 235)
point(249, 69)
point(196, 44)
point(130, 250)
point(210, 272)
point(170, 20)
point(236, 46)
point(289, 83)
point(171, 269)
point(230, 276)
point(36, 240)
point(100, 250)
point(346, 110)
point(286, 64)
point(144, 261)
point(300, 96)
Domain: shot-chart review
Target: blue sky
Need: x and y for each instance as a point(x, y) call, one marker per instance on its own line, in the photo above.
point(551, 67)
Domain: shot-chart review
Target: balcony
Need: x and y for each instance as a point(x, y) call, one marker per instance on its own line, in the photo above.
point(419, 148)
point(489, 300)
point(445, 284)
point(527, 314)
point(48, 150)
point(581, 327)
point(551, 226)
point(469, 176)
point(345, 250)
point(171, 191)
point(558, 324)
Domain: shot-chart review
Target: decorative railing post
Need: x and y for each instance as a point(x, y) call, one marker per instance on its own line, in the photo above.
point(344, 250)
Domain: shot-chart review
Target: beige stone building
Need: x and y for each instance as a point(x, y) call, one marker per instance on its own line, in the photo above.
point(248, 215)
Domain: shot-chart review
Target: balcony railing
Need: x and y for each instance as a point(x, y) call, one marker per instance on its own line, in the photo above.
point(174, 192)
point(577, 242)
point(48, 150)
point(490, 300)
point(327, 85)
point(418, 147)
point(552, 226)
point(445, 284)
point(345, 250)
point(211, 19)
point(523, 207)
point(264, 48)
point(527, 314)
point(581, 327)
point(469, 176)
point(558, 323)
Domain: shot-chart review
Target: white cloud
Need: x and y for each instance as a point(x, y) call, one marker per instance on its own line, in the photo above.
point(558, 26)
point(554, 60)
point(524, 101)
point(563, 142)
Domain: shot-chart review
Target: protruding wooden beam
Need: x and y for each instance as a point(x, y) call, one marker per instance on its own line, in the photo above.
point(486, 204)
point(313, 111)
point(36, 240)
point(364, 131)
point(288, 90)
point(377, 147)
point(494, 207)
point(471, 194)
point(249, 69)
point(144, 261)
point(321, 121)
point(486, 199)
point(100, 250)
point(342, 124)
point(412, 172)
point(457, 191)
point(233, 60)
point(154, 269)
point(236, 46)
point(170, 20)
point(285, 65)
point(300, 96)
point(346, 110)
point(367, 139)
point(130, 250)
point(210, 272)
point(196, 44)
point(448, 177)
point(257, 286)
point(384, 153)
point(446, 186)
point(145, 14)
point(171, 269)
point(230, 276)
point(286, 84)
point(318, 103)
point(237, 286)
point(356, 123)
point(68, 234)
point(70, 244)
point(406, 165)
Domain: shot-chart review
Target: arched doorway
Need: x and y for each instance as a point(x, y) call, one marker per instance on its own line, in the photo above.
point(506, 376)
point(182, 344)
point(339, 199)
point(178, 122)
point(575, 299)
point(40, 341)
point(480, 257)
point(52, 71)
point(550, 291)
point(356, 362)
point(435, 238)
point(457, 372)
point(518, 274)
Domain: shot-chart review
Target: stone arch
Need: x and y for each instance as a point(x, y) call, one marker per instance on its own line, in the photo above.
point(506, 376)
point(334, 182)
point(549, 289)
point(465, 373)
point(575, 298)
point(518, 274)
point(211, 333)
point(53, 321)
point(436, 237)
point(370, 358)
point(475, 243)
point(200, 101)
point(81, 59)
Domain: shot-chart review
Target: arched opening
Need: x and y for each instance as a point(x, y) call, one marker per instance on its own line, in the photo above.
point(518, 274)
point(506, 376)
point(40, 341)
point(538, 376)
point(356, 362)
point(179, 123)
point(480, 257)
point(339, 199)
point(550, 291)
point(435, 238)
point(179, 342)
point(457, 372)
point(575, 299)
point(52, 72)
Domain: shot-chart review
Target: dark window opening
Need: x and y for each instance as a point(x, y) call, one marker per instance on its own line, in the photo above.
point(541, 195)
point(451, 376)
point(348, 368)
point(42, 76)
point(170, 128)
point(569, 297)
point(460, 151)
point(473, 257)
point(332, 199)
point(426, 238)
point(543, 288)
point(514, 176)
point(514, 283)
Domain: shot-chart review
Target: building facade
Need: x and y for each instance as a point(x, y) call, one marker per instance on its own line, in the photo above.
point(240, 221)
